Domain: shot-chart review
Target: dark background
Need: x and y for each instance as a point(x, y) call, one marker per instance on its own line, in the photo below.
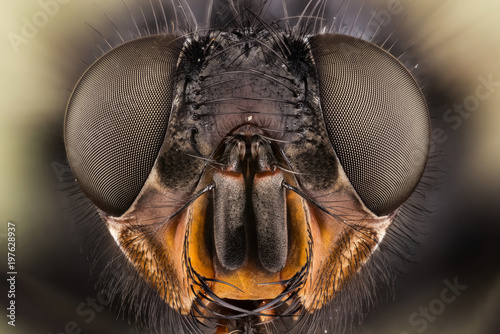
point(454, 43)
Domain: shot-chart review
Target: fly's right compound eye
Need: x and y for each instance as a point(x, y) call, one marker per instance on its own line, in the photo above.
point(117, 118)
point(376, 117)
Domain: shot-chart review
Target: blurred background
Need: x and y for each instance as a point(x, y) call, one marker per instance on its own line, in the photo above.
point(45, 47)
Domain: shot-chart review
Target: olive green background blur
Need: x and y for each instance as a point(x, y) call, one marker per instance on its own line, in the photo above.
point(458, 42)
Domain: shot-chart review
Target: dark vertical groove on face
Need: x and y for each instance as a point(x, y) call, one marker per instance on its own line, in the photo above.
point(229, 220)
point(249, 207)
point(268, 199)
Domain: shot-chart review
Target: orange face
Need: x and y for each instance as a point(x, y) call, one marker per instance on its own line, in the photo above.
point(177, 254)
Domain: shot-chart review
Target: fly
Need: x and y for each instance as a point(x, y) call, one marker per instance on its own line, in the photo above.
point(249, 170)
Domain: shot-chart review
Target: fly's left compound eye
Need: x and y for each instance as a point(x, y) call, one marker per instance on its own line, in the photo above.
point(117, 118)
point(376, 117)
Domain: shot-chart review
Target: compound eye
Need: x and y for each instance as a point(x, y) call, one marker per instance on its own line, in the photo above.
point(117, 118)
point(376, 117)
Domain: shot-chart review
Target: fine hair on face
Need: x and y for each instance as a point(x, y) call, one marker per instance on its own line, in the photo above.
point(259, 168)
